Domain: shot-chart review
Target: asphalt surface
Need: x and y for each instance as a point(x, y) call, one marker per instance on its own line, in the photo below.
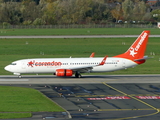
point(50, 79)
point(77, 36)
point(96, 97)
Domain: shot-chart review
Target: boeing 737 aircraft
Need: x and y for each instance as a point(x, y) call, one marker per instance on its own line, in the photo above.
point(69, 66)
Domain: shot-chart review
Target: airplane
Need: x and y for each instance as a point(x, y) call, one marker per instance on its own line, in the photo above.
point(66, 67)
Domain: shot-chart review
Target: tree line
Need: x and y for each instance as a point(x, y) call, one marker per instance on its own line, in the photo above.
point(59, 12)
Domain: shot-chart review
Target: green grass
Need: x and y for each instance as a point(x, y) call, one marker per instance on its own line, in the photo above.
point(19, 102)
point(78, 31)
point(14, 115)
point(15, 49)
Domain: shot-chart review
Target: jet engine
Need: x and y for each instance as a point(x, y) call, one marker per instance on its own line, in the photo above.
point(64, 72)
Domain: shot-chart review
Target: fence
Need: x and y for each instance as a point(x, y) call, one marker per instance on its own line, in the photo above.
point(78, 26)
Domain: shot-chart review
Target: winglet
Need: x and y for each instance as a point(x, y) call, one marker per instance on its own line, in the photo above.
point(92, 55)
point(104, 60)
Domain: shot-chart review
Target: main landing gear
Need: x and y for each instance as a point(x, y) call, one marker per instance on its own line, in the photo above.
point(19, 76)
point(78, 75)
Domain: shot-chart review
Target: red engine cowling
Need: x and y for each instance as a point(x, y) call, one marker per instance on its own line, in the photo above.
point(64, 72)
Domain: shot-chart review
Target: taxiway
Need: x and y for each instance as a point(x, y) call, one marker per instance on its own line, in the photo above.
point(77, 36)
point(96, 97)
point(50, 79)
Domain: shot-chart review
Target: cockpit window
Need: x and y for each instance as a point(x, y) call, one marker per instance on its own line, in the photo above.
point(13, 63)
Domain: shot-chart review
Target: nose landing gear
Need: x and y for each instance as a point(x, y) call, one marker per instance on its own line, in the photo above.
point(19, 75)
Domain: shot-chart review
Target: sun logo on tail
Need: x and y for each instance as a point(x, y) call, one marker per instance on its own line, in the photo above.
point(132, 52)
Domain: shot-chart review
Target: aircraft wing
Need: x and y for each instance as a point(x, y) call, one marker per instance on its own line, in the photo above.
point(82, 68)
point(87, 68)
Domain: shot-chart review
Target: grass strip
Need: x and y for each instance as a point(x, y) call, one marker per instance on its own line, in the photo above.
point(14, 115)
point(77, 31)
point(17, 99)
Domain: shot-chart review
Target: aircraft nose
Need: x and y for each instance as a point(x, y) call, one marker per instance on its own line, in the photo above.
point(7, 68)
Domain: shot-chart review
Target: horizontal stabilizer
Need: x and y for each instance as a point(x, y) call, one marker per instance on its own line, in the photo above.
point(144, 58)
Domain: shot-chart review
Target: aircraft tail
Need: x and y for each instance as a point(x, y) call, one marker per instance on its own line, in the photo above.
point(137, 50)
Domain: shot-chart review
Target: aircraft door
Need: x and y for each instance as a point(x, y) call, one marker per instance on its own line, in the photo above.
point(124, 63)
point(23, 65)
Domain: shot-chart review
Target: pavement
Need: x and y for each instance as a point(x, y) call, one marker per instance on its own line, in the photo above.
point(76, 36)
point(96, 97)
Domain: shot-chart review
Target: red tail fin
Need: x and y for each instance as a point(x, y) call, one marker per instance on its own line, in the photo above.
point(137, 49)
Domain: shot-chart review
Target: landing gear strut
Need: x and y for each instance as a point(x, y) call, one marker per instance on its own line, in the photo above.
point(78, 75)
point(19, 76)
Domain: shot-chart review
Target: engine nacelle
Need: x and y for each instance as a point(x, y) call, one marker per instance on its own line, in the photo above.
point(64, 72)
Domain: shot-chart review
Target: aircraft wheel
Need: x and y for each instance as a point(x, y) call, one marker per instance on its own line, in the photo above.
point(19, 76)
point(78, 75)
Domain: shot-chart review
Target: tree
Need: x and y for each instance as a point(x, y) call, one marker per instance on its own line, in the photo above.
point(66, 11)
point(10, 12)
point(139, 11)
point(127, 8)
point(31, 11)
point(156, 15)
point(99, 11)
point(49, 11)
point(117, 12)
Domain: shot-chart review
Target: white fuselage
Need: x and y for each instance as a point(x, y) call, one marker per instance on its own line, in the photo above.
point(50, 65)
